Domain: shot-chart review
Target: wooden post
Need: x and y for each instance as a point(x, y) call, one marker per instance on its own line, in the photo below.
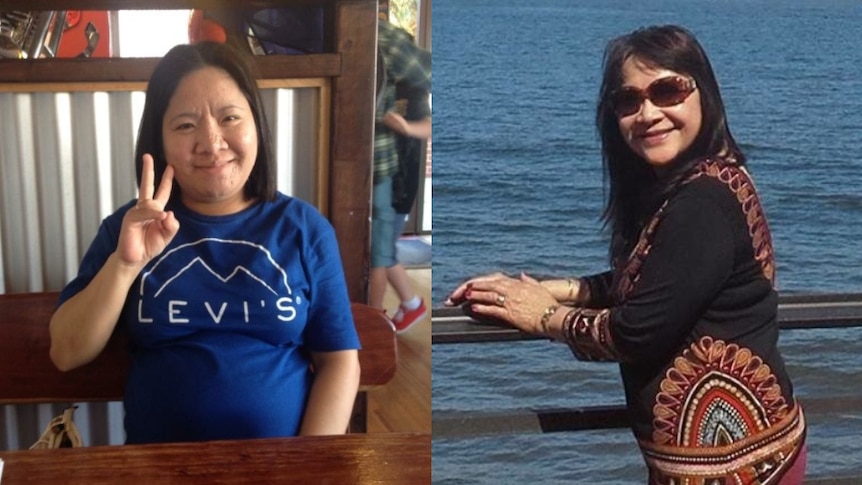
point(352, 141)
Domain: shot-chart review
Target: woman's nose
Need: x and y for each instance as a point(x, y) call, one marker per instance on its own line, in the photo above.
point(649, 111)
point(210, 138)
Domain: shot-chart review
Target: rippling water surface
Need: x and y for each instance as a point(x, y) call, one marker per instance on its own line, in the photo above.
point(518, 186)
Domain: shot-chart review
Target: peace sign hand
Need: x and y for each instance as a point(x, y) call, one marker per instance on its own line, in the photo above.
point(147, 228)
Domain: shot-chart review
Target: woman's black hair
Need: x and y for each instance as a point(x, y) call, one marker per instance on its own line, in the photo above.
point(179, 62)
point(634, 189)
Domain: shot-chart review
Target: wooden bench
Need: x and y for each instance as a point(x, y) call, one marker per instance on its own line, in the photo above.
point(28, 376)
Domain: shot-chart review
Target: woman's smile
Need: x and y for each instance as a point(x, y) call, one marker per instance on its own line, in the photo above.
point(655, 137)
point(214, 167)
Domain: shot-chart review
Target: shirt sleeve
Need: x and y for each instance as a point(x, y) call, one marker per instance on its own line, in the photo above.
point(690, 258)
point(598, 288)
point(330, 320)
point(103, 245)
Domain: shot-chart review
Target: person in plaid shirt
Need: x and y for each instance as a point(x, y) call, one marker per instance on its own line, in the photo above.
point(403, 62)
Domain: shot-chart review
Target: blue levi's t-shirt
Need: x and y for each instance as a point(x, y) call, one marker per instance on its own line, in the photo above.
point(221, 323)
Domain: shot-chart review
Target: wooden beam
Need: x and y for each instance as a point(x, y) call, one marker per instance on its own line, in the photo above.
point(352, 141)
point(63, 87)
point(116, 69)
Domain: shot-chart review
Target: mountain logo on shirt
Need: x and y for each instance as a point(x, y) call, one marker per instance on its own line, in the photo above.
point(216, 281)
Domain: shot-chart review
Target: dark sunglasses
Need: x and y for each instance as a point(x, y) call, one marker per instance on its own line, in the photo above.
point(664, 93)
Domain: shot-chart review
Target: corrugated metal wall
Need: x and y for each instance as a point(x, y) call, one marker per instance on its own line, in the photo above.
point(66, 162)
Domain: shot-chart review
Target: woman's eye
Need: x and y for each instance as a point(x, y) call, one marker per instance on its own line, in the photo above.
point(184, 126)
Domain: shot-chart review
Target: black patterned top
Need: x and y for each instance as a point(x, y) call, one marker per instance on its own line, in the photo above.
point(691, 317)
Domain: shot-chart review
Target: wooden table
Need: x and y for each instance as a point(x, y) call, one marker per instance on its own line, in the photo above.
point(379, 459)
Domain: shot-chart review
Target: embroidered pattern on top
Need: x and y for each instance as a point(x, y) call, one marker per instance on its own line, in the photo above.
point(588, 334)
point(720, 418)
point(740, 183)
point(716, 394)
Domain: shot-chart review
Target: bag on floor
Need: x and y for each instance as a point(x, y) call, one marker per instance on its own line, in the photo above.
point(60, 433)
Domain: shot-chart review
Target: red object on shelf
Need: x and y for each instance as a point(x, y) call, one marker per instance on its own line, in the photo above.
point(74, 40)
point(202, 29)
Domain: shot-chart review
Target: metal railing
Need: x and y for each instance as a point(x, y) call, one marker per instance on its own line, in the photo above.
point(452, 326)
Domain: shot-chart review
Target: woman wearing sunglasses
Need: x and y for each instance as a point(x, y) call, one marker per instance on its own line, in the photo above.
point(689, 306)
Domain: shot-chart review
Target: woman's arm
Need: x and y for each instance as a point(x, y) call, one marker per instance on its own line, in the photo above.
point(82, 325)
point(415, 129)
point(567, 290)
point(336, 381)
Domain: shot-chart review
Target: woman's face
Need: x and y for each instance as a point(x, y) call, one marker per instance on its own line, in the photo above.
point(659, 134)
point(210, 139)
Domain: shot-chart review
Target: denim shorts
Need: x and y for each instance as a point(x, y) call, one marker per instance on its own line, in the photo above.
point(383, 219)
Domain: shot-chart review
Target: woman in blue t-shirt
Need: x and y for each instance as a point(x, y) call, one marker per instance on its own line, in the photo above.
point(230, 291)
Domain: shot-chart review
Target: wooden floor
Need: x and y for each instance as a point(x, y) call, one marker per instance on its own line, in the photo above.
point(404, 404)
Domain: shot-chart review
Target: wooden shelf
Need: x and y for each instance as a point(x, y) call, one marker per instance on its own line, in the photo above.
point(139, 69)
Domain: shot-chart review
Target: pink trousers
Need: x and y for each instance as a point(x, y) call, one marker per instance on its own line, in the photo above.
point(796, 472)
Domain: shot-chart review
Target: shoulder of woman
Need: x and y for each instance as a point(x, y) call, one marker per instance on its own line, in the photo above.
point(294, 206)
point(722, 173)
point(303, 212)
point(710, 186)
point(720, 188)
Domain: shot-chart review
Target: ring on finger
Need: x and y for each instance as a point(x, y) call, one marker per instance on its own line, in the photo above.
point(501, 299)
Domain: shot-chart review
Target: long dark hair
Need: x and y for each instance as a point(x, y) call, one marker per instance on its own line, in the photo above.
point(634, 190)
point(177, 63)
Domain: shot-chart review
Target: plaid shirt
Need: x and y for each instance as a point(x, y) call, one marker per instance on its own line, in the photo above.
point(405, 62)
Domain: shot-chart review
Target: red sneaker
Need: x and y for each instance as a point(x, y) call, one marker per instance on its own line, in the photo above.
point(405, 318)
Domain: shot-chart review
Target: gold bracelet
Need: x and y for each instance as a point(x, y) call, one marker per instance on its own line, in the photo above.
point(546, 316)
point(571, 289)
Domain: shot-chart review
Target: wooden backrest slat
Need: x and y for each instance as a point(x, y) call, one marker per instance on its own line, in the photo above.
point(27, 374)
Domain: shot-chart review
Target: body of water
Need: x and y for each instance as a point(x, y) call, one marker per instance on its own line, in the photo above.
point(518, 187)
